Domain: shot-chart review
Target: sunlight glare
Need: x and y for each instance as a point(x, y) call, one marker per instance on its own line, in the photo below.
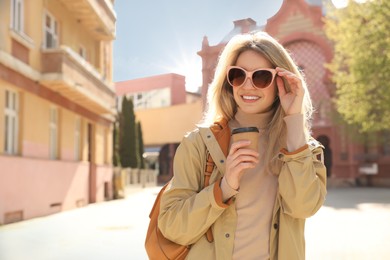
point(340, 3)
point(190, 67)
point(344, 3)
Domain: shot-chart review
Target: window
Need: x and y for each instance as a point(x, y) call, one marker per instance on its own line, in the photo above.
point(51, 31)
point(17, 12)
point(11, 122)
point(77, 139)
point(53, 134)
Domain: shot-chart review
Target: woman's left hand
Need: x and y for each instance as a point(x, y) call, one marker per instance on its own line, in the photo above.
point(291, 101)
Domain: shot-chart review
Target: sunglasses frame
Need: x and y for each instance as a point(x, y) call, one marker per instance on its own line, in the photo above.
point(249, 74)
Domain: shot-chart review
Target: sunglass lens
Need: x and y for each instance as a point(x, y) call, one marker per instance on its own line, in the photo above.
point(236, 77)
point(262, 78)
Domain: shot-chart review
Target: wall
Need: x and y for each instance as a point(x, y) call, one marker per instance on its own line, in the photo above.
point(41, 187)
point(169, 124)
point(35, 130)
point(174, 81)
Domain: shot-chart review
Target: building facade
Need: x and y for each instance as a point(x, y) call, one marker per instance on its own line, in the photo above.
point(153, 92)
point(299, 27)
point(57, 105)
point(166, 112)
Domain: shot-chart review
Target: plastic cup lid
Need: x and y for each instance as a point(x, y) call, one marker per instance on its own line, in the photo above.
point(245, 130)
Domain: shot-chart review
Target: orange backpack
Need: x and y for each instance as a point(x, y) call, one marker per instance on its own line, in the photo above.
point(157, 246)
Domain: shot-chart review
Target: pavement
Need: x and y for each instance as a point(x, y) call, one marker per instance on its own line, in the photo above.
point(354, 224)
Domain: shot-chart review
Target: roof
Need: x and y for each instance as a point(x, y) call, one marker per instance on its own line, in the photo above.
point(242, 26)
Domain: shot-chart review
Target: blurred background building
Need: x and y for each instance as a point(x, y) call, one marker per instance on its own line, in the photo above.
point(166, 112)
point(58, 102)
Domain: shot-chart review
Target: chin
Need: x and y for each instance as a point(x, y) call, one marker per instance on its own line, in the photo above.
point(254, 110)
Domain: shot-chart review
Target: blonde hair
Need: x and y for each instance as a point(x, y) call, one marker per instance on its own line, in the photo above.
point(220, 100)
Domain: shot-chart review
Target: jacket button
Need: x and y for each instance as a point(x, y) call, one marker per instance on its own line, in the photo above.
point(222, 161)
point(227, 235)
point(275, 226)
point(209, 136)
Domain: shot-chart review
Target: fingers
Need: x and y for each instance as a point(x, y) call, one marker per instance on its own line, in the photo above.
point(294, 81)
point(285, 73)
point(240, 156)
point(236, 146)
point(239, 159)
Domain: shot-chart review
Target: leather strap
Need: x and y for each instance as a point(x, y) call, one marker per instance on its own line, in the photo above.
point(208, 171)
point(221, 132)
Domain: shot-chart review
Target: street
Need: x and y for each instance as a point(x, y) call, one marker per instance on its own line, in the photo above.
point(354, 224)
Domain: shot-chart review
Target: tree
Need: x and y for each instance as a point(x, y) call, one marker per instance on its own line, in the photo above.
point(127, 150)
point(361, 63)
point(140, 146)
point(115, 142)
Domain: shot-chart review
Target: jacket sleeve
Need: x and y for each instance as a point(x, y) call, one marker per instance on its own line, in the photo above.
point(186, 210)
point(302, 180)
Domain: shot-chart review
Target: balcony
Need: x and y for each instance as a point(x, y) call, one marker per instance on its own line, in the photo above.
point(65, 72)
point(97, 16)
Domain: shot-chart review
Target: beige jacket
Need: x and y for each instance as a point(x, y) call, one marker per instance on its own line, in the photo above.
point(187, 211)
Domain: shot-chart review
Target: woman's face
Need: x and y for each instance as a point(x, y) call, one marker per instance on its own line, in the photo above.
point(249, 99)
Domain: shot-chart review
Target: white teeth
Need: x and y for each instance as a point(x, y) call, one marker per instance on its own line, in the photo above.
point(250, 97)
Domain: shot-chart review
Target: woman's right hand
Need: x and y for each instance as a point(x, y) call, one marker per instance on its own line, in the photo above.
point(238, 160)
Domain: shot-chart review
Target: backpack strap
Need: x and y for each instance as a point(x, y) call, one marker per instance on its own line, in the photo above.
point(221, 132)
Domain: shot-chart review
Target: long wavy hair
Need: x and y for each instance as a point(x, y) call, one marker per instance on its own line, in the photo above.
point(220, 100)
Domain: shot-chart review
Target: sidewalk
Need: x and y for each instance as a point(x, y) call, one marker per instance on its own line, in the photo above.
point(353, 225)
point(107, 230)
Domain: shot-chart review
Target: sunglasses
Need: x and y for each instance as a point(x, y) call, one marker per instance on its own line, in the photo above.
point(261, 78)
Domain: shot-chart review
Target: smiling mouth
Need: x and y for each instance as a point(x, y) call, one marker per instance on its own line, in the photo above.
point(250, 98)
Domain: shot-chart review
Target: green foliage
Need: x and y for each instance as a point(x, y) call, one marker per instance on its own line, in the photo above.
point(115, 142)
point(140, 146)
point(127, 147)
point(361, 63)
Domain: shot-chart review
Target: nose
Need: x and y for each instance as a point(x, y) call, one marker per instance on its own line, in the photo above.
point(248, 84)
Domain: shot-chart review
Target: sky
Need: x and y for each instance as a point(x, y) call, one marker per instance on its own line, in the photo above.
point(164, 36)
point(158, 37)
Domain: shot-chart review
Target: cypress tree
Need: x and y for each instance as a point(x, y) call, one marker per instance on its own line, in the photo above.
point(133, 162)
point(140, 145)
point(124, 134)
point(115, 143)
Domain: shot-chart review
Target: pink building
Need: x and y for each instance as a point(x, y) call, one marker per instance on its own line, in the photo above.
point(298, 25)
point(153, 92)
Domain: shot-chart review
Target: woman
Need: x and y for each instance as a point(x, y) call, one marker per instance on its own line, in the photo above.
point(258, 200)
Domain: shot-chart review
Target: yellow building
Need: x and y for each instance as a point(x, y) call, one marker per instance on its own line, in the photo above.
point(57, 105)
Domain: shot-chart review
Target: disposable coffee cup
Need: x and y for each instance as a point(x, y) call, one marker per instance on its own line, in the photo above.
point(246, 133)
